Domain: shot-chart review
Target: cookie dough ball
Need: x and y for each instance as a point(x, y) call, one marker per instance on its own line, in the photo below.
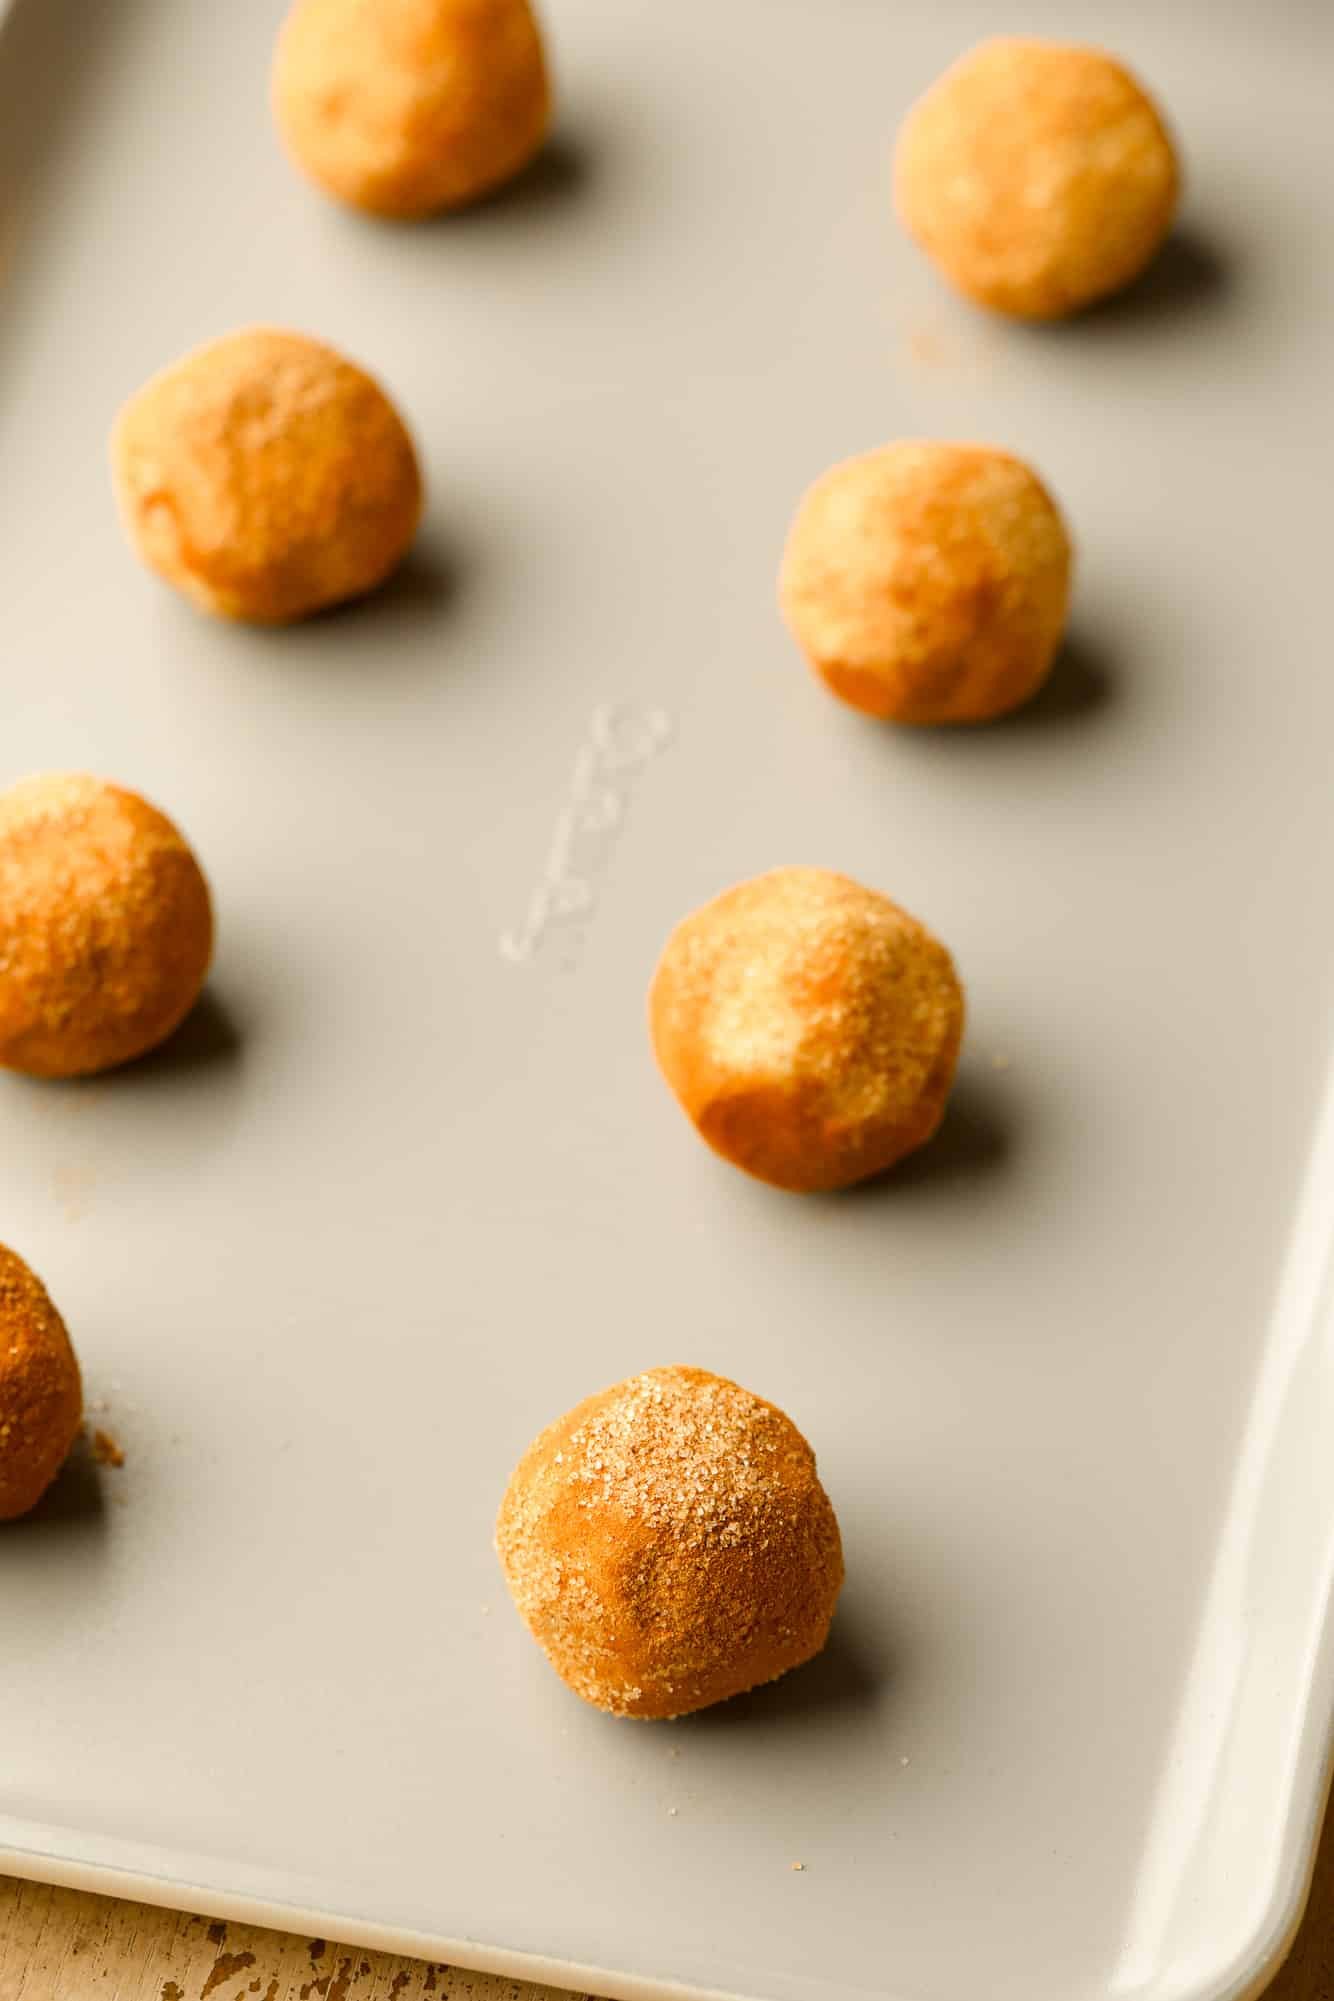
point(928, 583)
point(266, 477)
point(1038, 175)
point(105, 926)
point(403, 107)
point(41, 1396)
point(809, 1027)
point(668, 1544)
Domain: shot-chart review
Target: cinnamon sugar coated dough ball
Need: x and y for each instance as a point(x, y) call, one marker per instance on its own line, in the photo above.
point(106, 928)
point(928, 583)
point(403, 107)
point(809, 1027)
point(1038, 176)
point(41, 1395)
point(266, 477)
point(668, 1544)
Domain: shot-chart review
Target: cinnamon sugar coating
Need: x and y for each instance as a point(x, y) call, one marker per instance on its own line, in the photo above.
point(106, 927)
point(41, 1395)
point(928, 583)
point(403, 107)
point(668, 1544)
point(1038, 176)
point(266, 477)
point(809, 1027)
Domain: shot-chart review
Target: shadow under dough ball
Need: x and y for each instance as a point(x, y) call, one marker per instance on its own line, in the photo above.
point(668, 1544)
point(928, 583)
point(404, 107)
point(809, 1028)
point(1039, 176)
point(41, 1395)
point(106, 928)
point(266, 476)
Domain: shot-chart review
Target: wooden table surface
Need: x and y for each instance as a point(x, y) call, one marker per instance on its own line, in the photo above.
point(59, 1945)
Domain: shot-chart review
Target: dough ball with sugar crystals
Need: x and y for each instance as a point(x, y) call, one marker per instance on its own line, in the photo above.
point(668, 1544)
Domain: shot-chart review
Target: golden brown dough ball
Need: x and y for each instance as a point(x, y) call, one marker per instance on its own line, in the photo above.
point(266, 477)
point(1037, 175)
point(928, 583)
point(403, 107)
point(41, 1395)
point(668, 1544)
point(809, 1027)
point(106, 929)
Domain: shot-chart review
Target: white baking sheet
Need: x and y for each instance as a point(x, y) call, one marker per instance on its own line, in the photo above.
point(409, 1186)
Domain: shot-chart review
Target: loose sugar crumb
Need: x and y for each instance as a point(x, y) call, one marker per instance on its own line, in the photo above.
point(106, 1451)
